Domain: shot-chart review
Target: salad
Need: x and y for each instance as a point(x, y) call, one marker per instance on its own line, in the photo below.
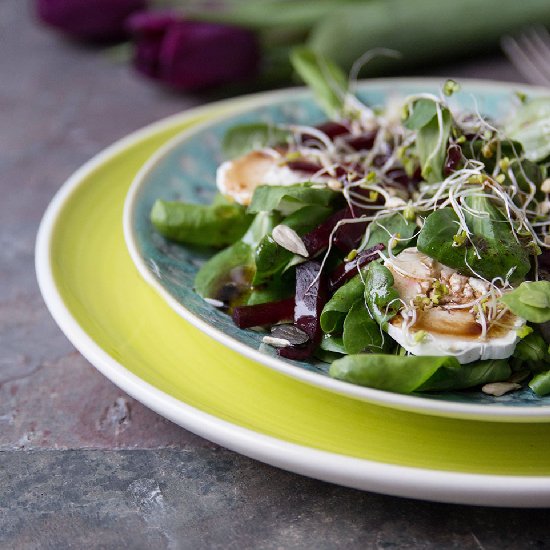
point(408, 247)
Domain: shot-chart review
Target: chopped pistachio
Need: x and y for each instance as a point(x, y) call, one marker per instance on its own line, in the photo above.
point(351, 256)
point(450, 87)
point(524, 331)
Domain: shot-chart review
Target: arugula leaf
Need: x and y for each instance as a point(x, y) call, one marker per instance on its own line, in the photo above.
point(336, 309)
point(491, 235)
point(244, 138)
point(361, 331)
point(381, 297)
point(530, 125)
point(289, 198)
point(222, 268)
point(272, 259)
point(402, 374)
point(219, 224)
point(327, 81)
point(530, 300)
point(380, 231)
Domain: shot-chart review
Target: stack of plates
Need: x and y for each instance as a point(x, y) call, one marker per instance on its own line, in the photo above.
point(124, 298)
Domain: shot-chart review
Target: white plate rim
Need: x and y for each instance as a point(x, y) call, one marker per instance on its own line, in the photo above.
point(409, 403)
point(434, 485)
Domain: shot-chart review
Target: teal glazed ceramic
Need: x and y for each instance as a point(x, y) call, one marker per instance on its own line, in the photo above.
point(185, 170)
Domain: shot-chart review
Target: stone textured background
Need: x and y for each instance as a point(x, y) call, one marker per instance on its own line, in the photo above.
point(84, 465)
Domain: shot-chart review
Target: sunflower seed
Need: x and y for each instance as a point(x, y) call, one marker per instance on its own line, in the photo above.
point(215, 303)
point(291, 333)
point(276, 342)
point(289, 239)
point(500, 388)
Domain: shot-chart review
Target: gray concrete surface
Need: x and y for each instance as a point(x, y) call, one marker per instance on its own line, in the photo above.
point(82, 465)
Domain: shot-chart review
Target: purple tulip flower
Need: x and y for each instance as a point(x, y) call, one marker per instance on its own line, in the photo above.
point(89, 20)
point(192, 55)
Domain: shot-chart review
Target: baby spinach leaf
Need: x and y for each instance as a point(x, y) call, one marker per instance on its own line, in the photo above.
point(530, 125)
point(530, 300)
point(336, 309)
point(327, 81)
point(540, 383)
point(289, 198)
point(244, 138)
point(218, 224)
point(233, 265)
point(332, 343)
point(468, 376)
point(491, 235)
point(402, 374)
point(361, 331)
point(532, 348)
point(421, 113)
point(271, 258)
point(380, 231)
point(381, 297)
point(432, 137)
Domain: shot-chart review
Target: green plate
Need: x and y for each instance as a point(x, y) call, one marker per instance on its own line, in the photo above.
point(185, 169)
point(131, 335)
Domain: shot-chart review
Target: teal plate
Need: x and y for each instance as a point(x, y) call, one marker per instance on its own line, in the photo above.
point(184, 169)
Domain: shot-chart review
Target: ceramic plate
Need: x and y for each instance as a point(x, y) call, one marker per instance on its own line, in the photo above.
point(184, 169)
point(121, 325)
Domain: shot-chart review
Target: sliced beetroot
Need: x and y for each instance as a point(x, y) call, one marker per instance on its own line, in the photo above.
point(362, 142)
point(347, 270)
point(260, 315)
point(306, 166)
point(333, 129)
point(311, 296)
point(318, 239)
point(453, 159)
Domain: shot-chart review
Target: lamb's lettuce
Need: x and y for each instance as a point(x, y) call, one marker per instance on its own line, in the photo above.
point(530, 125)
point(336, 309)
point(327, 81)
point(218, 224)
point(222, 268)
point(361, 331)
point(492, 237)
point(244, 138)
point(530, 300)
point(381, 297)
point(383, 229)
point(432, 136)
point(289, 198)
point(411, 373)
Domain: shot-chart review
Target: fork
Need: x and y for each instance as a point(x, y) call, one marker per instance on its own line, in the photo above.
point(529, 52)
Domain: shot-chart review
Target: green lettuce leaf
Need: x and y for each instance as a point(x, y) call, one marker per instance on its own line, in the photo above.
point(530, 300)
point(327, 81)
point(381, 297)
point(361, 331)
point(244, 138)
point(219, 224)
point(289, 198)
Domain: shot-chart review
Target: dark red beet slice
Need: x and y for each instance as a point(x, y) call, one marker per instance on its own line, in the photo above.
point(345, 237)
point(454, 156)
point(263, 314)
point(311, 296)
point(333, 129)
point(347, 270)
point(302, 165)
point(362, 142)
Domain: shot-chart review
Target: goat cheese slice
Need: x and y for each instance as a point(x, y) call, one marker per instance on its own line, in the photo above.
point(444, 329)
point(238, 178)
